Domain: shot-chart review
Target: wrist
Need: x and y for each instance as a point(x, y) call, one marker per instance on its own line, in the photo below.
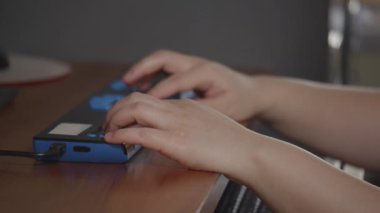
point(262, 92)
point(268, 92)
point(245, 156)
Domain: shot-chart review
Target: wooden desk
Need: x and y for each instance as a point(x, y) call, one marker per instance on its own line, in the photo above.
point(148, 183)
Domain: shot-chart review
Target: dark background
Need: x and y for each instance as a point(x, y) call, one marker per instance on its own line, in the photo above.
point(287, 36)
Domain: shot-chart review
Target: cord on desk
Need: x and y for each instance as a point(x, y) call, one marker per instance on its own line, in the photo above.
point(55, 151)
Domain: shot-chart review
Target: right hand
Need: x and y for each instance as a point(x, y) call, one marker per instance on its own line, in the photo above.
point(219, 86)
point(189, 132)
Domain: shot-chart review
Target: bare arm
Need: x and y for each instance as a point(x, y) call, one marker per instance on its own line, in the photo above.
point(288, 178)
point(341, 121)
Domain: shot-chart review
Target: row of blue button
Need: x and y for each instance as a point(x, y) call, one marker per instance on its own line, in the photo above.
point(104, 102)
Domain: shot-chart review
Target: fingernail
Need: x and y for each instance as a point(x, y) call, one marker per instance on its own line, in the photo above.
point(108, 135)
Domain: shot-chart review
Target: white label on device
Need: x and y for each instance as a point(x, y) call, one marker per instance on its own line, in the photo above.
point(69, 129)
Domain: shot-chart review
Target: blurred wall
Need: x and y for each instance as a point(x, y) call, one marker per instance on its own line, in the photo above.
point(287, 36)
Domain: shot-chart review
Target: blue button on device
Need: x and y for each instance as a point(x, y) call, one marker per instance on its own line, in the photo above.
point(104, 102)
point(118, 85)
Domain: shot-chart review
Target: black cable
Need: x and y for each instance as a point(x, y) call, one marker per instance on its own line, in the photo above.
point(55, 151)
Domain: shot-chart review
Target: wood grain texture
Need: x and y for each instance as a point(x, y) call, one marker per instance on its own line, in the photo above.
point(150, 182)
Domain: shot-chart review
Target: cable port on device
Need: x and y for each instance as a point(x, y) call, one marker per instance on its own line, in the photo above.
point(81, 149)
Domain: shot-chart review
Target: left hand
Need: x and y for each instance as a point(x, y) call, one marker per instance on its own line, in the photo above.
point(234, 94)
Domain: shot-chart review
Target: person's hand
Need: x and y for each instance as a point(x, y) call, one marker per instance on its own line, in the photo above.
point(191, 133)
point(220, 87)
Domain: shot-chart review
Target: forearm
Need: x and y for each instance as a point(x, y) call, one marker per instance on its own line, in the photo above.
point(292, 180)
point(341, 122)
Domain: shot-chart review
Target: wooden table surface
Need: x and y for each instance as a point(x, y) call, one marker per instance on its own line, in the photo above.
point(148, 183)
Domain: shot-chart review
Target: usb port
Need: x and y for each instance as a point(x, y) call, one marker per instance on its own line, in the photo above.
point(81, 149)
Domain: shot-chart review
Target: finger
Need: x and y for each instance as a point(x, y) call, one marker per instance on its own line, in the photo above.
point(140, 113)
point(147, 137)
point(145, 83)
point(132, 98)
point(168, 61)
point(181, 82)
